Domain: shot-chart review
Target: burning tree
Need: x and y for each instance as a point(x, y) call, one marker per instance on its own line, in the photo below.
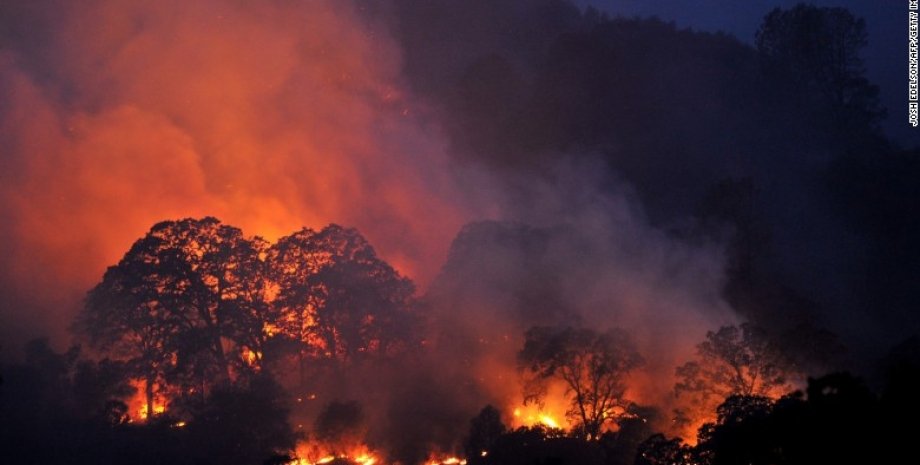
point(336, 298)
point(740, 361)
point(183, 296)
point(593, 366)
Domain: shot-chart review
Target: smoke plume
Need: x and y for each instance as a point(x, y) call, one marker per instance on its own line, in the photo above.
point(269, 116)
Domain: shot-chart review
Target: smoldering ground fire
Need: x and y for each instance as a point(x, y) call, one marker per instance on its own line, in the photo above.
point(437, 232)
point(195, 305)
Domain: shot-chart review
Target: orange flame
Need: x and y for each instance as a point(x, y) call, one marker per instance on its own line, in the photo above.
point(313, 453)
point(137, 404)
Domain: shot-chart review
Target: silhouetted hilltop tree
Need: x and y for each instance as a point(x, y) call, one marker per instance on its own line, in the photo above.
point(733, 361)
point(740, 433)
point(813, 52)
point(485, 431)
point(593, 365)
point(622, 446)
point(174, 302)
point(337, 298)
point(837, 420)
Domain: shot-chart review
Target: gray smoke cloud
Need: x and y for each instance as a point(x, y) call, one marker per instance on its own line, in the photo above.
point(272, 116)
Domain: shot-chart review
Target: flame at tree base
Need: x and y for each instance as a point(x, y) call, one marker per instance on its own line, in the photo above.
point(312, 453)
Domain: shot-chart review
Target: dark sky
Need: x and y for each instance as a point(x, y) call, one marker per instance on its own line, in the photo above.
point(885, 56)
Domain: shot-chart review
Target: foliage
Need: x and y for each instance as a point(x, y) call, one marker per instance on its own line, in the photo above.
point(337, 297)
point(485, 430)
point(194, 304)
point(732, 361)
point(593, 366)
point(174, 302)
point(816, 51)
point(659, 450)
point(837, 420)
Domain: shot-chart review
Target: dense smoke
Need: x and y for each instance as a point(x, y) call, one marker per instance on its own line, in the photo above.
point(759, 147)
point(117, 115)
point(525, 163)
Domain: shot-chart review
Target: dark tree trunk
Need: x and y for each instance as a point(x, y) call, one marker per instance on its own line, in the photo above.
point(149, 392)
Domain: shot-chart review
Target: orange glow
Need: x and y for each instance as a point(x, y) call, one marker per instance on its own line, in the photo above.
point(251, 357)
point(449, 460)
point(273, 117)
point(532, 415)
point(157, 410)
point(312, 453)
point(551, 412)
point(137, 404)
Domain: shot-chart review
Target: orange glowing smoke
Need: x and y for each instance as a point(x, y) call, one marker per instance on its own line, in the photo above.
point(267, 115)
point(550, 412)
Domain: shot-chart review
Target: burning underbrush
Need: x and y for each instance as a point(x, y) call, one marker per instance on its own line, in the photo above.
point(314, 349)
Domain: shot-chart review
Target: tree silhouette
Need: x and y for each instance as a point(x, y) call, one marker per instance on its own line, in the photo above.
point(593, 366)
point(244, 423)
point(816, 51)
point(731, 361)
point(742, 433)
point(183, 295)
point(659, 450)
point(337, 298)
point(485, 431)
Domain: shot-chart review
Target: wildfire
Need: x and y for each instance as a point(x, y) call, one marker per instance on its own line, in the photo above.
point(532, 415)
point(550, 412)
point(361, 459)
point(445, 461)
point(158, 408)
point(137, 404)
point(309, 453)
point(251, 357)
